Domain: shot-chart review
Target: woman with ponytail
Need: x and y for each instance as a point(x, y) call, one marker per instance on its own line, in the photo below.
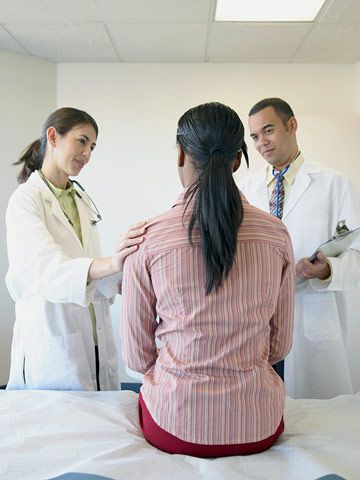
point(62, 287)
point(218, 274)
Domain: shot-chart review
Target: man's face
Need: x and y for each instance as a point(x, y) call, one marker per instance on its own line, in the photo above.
point(274, 140)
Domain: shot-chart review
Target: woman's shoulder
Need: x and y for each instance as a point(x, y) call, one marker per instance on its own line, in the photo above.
point(263, 225)
point(29, 192)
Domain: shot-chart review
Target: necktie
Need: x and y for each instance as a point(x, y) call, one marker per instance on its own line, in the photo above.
point(278, 194)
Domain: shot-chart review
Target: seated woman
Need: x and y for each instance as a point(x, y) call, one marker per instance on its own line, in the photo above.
point(219, 274)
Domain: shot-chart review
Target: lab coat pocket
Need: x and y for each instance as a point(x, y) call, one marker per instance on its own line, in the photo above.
point(58, 363)
point(320, 317)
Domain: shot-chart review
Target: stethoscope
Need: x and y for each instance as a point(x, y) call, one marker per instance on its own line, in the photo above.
point(94, 210)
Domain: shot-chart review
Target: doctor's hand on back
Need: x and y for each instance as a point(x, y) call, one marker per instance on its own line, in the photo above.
point(63, 337)
point(124, 246)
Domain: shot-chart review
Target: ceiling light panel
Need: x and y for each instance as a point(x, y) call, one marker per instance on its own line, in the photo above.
point(267, 11)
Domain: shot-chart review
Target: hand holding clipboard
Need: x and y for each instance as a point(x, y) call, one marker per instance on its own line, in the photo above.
point(338, 243)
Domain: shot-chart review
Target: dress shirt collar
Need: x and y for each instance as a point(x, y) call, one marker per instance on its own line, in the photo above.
point(290, 175)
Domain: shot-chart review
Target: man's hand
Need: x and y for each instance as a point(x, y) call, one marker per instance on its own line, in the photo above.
point(318, 269)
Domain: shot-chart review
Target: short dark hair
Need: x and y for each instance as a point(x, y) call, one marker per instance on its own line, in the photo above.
point(63, 119)
point(282, 108)
point(213, 135)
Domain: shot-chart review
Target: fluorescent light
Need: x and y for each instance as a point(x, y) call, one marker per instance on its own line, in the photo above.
point(267, 10)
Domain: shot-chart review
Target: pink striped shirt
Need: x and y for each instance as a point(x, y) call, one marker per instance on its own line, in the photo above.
point(211, 382)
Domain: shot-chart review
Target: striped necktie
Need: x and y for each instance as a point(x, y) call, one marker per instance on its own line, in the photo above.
point(278, 194)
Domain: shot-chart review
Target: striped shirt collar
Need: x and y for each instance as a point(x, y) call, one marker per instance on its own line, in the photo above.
point(180, 198)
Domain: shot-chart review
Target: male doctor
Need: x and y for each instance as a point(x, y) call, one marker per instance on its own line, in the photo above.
point(310, 200)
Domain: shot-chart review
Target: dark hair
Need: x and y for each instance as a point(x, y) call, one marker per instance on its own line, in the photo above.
point(63, 120)
point(213, 134)
point(282, 108)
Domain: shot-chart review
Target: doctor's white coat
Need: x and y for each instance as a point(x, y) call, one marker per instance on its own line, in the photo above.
point(319, 364)
point(53, 346)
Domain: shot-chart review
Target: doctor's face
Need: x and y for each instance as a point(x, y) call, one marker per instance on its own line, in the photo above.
point(73, 150)
point(273, 139)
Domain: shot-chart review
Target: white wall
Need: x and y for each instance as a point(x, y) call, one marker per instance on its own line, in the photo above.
point(357, 88)
point(133, 172)
point(27, 95)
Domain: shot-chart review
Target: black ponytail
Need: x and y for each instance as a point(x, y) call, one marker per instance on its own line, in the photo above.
point(213, 135)
point(63, 120)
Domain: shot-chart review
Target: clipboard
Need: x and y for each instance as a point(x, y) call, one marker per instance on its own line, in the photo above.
point(338, 243)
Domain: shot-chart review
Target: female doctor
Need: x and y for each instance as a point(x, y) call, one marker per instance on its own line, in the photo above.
point(62, 287)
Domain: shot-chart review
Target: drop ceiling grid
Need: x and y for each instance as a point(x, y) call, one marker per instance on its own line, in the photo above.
point(172, 31)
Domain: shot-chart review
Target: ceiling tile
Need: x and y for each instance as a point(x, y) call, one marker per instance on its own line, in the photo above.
point(7, 43)
point(66, 43)
point(331, 44)
point(154, 11)
point(159, 43)
point(172, 31)
point(341, 11)
point(49, 11)
point(240, 42)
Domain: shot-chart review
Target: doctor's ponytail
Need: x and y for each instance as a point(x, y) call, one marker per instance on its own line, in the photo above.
point(63, 120)
point(31, 158)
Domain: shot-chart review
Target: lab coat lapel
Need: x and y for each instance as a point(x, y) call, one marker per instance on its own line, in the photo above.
point(262, 200)
point(59, 214)
point(300, 185)
point(84, 221)
point(51, 200)
point(57, 211)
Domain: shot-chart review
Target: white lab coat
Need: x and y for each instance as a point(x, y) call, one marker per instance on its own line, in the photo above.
point(318, 365)
point(53, 346)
